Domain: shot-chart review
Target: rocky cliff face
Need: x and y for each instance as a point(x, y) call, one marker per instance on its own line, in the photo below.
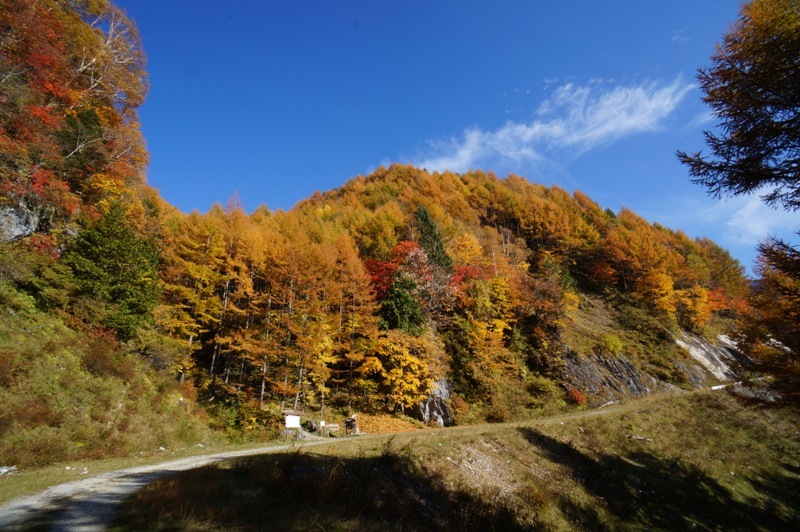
point(435, 408)
point(719, 360)
point(605, 378)
point(18, 221)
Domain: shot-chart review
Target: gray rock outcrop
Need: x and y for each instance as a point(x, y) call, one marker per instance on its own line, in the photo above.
point(17, 221)
point(435, 408)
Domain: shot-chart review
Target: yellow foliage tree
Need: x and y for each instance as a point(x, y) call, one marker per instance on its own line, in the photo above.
point(659, 293)
point(400, 365)
point(465, 249)
point(694, 310)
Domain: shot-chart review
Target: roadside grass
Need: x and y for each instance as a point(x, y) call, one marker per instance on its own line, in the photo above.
point(373, 490)
point(29, 481)
point(708, 460)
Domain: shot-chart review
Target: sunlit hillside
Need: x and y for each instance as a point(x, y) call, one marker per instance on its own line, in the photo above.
point(438, 298)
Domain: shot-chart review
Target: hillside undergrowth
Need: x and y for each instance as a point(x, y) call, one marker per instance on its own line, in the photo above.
point(69, 395)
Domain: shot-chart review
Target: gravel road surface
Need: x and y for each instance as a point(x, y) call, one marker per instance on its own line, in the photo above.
point(88, 505)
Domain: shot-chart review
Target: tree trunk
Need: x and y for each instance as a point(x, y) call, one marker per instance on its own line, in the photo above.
point(299, 387)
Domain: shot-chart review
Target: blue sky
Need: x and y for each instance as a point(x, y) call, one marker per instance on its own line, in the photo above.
point(276, 99)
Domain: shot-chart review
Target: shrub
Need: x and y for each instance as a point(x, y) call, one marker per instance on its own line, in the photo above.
point(610, 344)
point(544, 392)
point(102, 357)
point(576, 396)
point(460, 406)
point(36, 446)
point(498, 411)
point(7, 365)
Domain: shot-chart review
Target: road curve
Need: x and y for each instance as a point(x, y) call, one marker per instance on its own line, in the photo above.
point(88, 505)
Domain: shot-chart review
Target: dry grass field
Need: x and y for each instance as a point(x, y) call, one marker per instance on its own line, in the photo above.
point(704, 460)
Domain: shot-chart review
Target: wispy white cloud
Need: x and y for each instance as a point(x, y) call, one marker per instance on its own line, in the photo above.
point(741, 220)
point(572, 121)
point(738, 224)
point(700, 120)
point(749, 221)
point(680, 36)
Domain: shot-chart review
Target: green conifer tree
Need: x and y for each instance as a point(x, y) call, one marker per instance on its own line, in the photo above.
point(430, 240)
point(116, 273)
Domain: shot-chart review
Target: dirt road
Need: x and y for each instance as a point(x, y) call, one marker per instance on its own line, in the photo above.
point(88, 505)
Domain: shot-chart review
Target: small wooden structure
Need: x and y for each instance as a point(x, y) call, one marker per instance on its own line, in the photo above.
point(351, 425)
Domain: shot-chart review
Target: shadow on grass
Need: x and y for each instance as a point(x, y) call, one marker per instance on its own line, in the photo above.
point(781, 487)
point(643, 491)
point(301, 491)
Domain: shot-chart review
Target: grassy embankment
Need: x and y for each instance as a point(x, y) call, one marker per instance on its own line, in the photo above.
point(73, 399)
point(698, 460)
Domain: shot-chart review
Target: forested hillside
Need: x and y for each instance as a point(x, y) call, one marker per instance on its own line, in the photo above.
point(365, 296)
point(119, 312)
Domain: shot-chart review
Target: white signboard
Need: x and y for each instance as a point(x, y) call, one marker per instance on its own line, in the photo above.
point(292, 422)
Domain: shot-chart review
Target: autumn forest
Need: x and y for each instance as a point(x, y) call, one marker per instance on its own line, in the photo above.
point(126, 323)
